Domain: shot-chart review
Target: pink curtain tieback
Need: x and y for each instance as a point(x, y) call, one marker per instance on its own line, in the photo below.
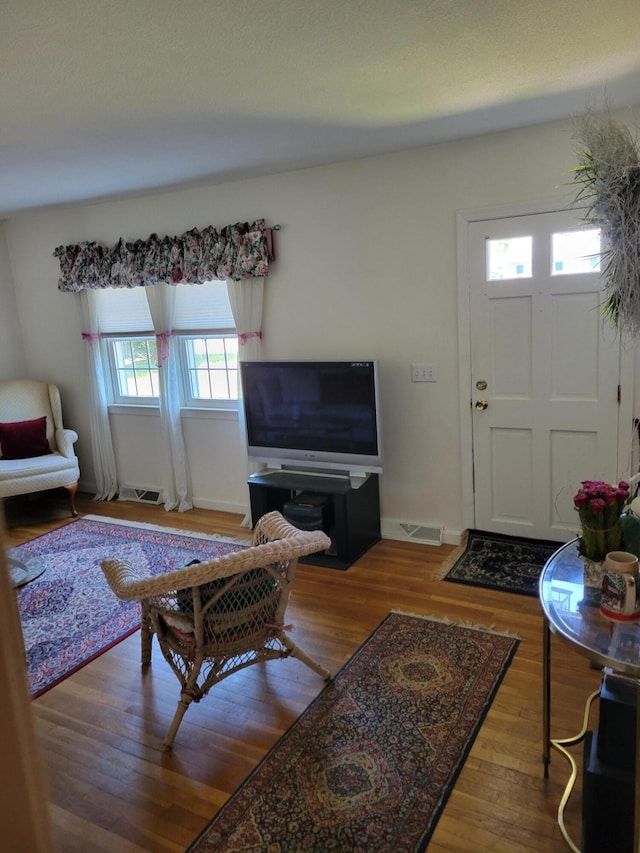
point(243, 337)
point(91, 338)
point(162, 345)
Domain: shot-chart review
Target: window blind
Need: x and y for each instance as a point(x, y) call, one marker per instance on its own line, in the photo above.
point(203, 306)
point(198, 306)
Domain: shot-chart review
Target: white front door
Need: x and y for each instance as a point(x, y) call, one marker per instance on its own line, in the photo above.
point(545, 372)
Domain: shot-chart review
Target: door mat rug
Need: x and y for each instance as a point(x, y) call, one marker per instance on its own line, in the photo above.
point(494, 561)
point(69, 614)
point(370, 764)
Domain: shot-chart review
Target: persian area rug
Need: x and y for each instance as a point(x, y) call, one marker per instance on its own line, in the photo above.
point(371, 763)
point(494, 561)
point(69, 613)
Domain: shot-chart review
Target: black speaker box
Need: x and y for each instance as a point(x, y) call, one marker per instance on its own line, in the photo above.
point(617, 727)
point(607, 804)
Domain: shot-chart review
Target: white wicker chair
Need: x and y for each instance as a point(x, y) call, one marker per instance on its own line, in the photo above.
point(214, 618)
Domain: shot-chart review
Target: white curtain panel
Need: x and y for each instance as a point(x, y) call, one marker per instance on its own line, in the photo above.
point(104, 463)
point(177, 489)
point(246, 298)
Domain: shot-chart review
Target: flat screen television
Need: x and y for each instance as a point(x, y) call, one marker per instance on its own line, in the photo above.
point(313, 414)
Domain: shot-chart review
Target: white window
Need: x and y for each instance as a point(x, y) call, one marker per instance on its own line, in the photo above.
point(134, 368)
point(575, 252)
point(211, 368)
point(509, 258)
point(572, 252)
point(208, 346)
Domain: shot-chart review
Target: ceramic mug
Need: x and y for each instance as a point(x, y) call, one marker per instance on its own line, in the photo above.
point(619, 599)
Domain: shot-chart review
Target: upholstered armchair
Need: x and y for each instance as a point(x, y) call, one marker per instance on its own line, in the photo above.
point(36, 451)
point(212, 619)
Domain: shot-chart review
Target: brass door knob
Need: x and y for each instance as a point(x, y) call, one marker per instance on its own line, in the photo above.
point(481, 405)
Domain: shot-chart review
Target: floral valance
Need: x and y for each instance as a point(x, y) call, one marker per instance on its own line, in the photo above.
point(236, 252)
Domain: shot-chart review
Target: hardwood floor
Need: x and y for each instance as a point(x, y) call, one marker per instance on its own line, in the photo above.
point(100, 731)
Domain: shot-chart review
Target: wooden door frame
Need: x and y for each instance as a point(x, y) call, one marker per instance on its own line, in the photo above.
point(25, 793)
point(464, 219)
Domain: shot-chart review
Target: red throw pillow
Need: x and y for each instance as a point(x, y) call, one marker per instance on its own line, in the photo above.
point(22, 439)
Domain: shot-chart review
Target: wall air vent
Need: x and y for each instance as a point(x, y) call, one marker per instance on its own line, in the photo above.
point(140, 494)
point(421, 533)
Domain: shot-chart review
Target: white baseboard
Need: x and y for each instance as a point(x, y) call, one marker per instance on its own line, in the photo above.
point(221, 506)
point(452, 537)
point(390, 528)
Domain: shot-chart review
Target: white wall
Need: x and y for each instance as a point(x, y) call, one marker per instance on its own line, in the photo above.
point(366, 269)
point(12, 355)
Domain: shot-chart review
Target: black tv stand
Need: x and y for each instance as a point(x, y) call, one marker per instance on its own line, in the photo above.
point(350, 516)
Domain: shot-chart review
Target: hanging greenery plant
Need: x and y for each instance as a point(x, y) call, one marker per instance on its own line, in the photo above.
point(608, 173)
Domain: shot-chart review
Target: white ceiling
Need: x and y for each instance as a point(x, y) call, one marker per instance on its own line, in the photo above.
point(104, 98)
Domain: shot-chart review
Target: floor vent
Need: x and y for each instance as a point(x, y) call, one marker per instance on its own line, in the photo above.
point(422, 533)
point(134, 493)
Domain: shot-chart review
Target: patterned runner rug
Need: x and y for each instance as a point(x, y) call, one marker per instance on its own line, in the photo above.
point(69, 614)
point(507, 563)
point(370, 764)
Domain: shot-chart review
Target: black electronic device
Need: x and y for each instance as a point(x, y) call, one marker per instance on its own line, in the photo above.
point(617, 722)
point(312, 512)
point(313, 414)
point(308, 512)
point(607, 804)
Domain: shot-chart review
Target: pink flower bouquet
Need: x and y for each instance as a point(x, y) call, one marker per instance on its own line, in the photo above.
point(599, 506)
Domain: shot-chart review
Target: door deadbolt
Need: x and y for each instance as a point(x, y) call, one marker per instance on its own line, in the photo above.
point(481, 405)
point(481, 385)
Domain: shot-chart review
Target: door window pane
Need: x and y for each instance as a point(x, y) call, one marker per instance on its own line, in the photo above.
point(510, 258)
point(575, 252)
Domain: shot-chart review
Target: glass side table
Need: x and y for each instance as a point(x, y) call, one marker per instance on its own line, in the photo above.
point(606, 643)
point(23, 569)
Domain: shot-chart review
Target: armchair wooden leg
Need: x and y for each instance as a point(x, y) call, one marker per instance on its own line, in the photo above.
point(72, 489)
